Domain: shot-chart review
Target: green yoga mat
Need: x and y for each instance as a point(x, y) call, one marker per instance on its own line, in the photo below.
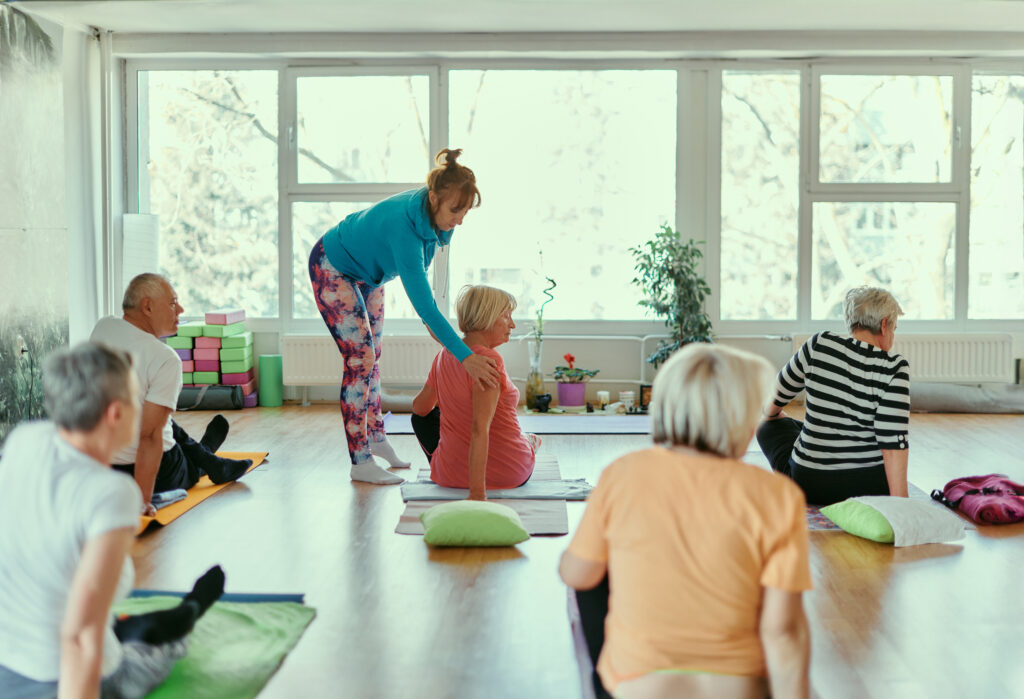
point(233, 650)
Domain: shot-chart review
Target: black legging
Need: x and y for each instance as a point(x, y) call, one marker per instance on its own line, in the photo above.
point(427, 429)
point(821, 486)
point(593, 606)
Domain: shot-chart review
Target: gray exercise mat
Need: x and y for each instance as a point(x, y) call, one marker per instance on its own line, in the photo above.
point(573, 489)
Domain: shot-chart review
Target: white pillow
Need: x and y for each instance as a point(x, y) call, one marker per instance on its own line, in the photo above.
point(916, 521)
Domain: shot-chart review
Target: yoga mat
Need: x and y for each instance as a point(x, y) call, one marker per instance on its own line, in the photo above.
point(271, 380)
point(199, 492)
point(589, 423)
point(233, 649)
point(545, 484)
point(540, 517)
point(298, 597)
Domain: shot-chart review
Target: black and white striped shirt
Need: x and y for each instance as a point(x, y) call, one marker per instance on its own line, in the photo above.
point(858, 401)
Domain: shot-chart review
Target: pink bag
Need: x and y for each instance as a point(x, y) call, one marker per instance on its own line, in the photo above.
point(991, 499)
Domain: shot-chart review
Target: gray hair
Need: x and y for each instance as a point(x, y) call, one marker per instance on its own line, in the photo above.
point(710, 397)
point(80, 383)
point(143, 286)
point(866, 307)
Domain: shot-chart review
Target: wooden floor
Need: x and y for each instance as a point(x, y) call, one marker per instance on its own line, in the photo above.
point(396, 619)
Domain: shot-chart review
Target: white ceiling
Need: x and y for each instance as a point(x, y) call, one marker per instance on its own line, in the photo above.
point(503, 16)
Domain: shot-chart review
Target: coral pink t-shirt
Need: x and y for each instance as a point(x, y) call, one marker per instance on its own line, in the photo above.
point(510, 457)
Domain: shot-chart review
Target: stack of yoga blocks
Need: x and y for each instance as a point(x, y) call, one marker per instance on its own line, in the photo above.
point(218, 352)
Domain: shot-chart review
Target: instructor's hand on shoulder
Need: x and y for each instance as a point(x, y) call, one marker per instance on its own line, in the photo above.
point(483, 370)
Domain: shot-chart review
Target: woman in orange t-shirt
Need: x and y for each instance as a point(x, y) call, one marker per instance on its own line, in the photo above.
point(706, 557)
point(471, 435)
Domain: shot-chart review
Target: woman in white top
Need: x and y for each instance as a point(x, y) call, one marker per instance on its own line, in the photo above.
point(66, 524)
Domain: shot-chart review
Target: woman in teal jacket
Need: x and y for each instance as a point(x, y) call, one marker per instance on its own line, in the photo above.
point(348, 266)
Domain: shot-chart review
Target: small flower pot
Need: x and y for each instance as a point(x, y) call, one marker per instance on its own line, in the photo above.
point(572, 394)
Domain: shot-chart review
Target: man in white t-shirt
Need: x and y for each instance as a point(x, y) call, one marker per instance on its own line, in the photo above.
point(163, 457)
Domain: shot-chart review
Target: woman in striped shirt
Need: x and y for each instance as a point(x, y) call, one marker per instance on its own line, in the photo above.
point(853, 440)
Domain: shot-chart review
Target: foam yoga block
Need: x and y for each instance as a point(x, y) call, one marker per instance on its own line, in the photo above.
point(251, 400)
point(240, 340)
point(186, 378)
point(192, 329)
point(208, 342)
point(207, 365)
point(179, 342)
point(236, 354)
point(210, 353)
point(225, 316)
point(224, 330)
point(184, 353)
point(205, 377)
point(188, 366)
point(271, 380)
point(237, 379)
point(237, 367)
point(249, 387)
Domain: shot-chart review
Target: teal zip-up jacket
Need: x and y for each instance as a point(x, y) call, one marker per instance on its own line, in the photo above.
point(394, 238)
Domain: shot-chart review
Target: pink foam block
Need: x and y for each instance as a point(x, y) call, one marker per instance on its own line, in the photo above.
point(210, 353)
point(207, 365)
point(250, 400)
point(238, 379)
point(207, 343)
point(248, 387)
point(184, 354)
point(225, 316)
point(187, 385)
point(188, 366)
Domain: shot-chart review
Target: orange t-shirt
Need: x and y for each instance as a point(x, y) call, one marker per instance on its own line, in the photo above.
point(510, 458)
point(690, 541)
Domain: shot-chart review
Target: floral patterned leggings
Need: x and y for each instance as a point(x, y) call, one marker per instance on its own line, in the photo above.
point(354, 313)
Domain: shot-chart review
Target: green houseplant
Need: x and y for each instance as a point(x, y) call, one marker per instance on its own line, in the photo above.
point(668, 272)
point(534, 378)
point(571, 382)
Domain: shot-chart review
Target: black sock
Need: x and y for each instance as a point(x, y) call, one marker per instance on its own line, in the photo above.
point(208, 589)
point(224, 470)
point(215, 434)
point(159, 627)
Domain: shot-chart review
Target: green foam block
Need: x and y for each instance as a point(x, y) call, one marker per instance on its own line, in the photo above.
point(191, 329)
point(237, 367)
point(205, 377)
point(239, 340)
point(236, 354)
point(178, 342)
point(187, 377)
point(224, 330)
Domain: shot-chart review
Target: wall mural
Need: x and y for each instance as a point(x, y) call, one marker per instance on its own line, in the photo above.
point(33, 227)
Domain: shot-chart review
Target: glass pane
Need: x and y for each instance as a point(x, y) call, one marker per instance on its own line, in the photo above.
point(363, 128)
point(310, 220)
point(760, 195)
point(905, 247)
point(574, 167)
point(212, 170)
point(886, 128)
point(996, 282)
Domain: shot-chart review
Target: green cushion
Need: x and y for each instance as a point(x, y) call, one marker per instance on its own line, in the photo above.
point(861, 520)
point(472, 523)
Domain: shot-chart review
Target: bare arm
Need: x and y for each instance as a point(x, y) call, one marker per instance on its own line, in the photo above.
point(579, 573)
point(895, 461)
point(88, 613)
point(151, 447)
point(484, 403)
point(425, 400)
point(786, 642)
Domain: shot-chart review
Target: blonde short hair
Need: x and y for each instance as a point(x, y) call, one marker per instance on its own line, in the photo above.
point(710, 397)
point(479, 306)
point(866, 306)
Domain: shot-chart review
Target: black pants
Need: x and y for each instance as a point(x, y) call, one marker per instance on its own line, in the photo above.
point(593, 606)
point(821, 486)
point(427, 429)
point(181, 466)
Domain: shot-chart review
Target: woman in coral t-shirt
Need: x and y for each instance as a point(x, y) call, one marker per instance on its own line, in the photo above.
point(706, 557)
point(471, 435)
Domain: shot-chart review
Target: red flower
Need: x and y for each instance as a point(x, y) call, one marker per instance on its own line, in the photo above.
point(569, 358)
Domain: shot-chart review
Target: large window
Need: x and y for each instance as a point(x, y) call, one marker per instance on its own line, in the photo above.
point(574, 168)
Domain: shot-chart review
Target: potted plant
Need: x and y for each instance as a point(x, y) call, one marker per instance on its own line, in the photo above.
point(572, 388)
point(668, 273)
point(534, 378)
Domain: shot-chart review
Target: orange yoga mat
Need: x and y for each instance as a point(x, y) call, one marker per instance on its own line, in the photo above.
point(199, 492)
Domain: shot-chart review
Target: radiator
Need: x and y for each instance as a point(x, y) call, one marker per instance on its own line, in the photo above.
point(954, 358)
point(314, 360)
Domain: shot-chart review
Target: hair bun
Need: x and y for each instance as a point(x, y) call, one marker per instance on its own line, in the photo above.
point(447, 157)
